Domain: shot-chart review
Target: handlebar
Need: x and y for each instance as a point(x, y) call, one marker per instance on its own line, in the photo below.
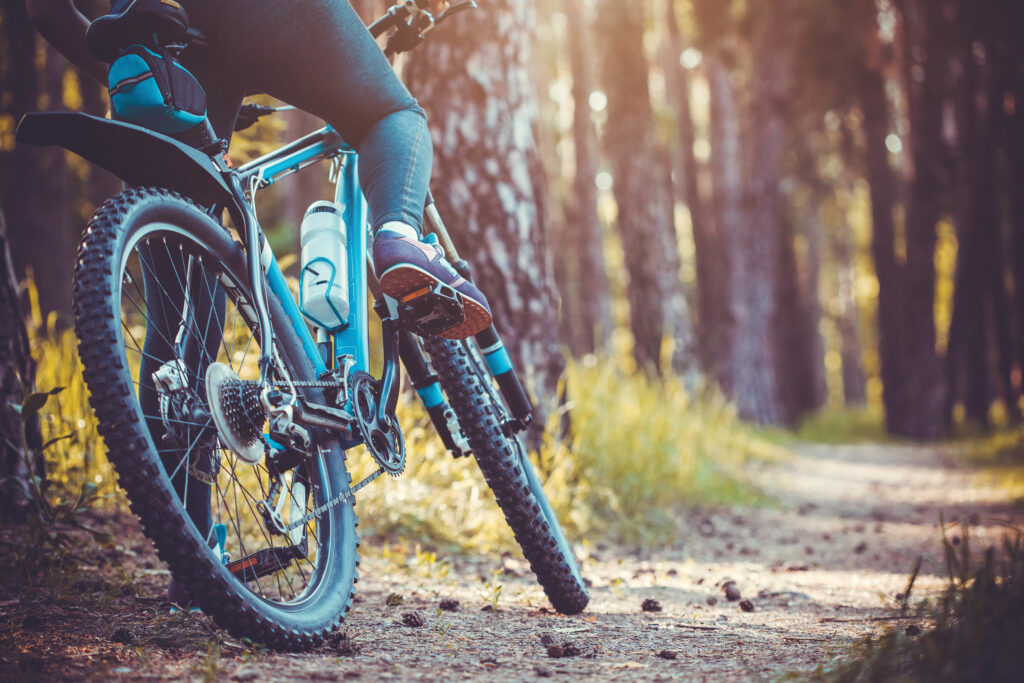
point(412, 20)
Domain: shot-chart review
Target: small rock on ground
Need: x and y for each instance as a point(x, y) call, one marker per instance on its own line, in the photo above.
point(650, 605)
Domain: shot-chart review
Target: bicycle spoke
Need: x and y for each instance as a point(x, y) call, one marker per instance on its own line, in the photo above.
point(178, 299)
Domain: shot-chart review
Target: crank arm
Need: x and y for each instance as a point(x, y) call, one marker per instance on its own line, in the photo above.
point(389, 381)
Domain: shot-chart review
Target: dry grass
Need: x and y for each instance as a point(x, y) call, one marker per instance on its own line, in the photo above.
point(640, 450)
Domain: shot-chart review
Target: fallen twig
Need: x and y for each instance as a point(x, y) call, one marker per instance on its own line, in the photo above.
point(892, 618)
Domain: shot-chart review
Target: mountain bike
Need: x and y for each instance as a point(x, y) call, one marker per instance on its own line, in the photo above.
point(229, 420)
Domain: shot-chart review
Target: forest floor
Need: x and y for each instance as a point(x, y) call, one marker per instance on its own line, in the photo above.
point(815, 571)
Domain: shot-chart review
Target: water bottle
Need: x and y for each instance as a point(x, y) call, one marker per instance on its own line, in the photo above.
point(323, 280)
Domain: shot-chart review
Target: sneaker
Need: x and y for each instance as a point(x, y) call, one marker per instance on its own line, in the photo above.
point(405, 264)
point(176, 594)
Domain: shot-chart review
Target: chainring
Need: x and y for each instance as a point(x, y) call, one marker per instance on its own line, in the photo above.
point(383, 439)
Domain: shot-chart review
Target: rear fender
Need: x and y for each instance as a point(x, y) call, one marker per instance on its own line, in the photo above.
point(138, 156)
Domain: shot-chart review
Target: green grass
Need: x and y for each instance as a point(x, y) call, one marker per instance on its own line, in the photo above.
point(999, 459)
point(845, 426)
point(975, 626)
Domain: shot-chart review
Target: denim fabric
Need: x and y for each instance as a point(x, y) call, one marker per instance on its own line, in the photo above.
point(318, 56)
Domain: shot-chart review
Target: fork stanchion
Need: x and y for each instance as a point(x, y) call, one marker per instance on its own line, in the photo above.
point(500, 365)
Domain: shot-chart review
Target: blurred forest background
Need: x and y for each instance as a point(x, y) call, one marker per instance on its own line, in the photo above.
point(795, 204)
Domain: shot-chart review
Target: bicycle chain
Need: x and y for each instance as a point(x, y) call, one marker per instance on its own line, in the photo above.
point(348, 494)
point(338, 499)
point(315, 385)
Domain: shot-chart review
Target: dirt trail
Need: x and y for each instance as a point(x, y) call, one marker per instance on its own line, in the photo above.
point(817, 571)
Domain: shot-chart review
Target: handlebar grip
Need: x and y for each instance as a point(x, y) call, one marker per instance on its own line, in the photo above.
point(388, 21)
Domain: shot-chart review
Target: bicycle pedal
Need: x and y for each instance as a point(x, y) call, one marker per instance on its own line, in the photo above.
point(431, 309)
point(264, 562)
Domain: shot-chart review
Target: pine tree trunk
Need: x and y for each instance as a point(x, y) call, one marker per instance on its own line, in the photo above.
point(1006, 25)
point(1014, 13)
point(815, 388)
point(920, 369)
point(304, 188)
point(368, 10)
point(848, 318)
point(718, 325)
point(761, 242)
point(968, 356)
point(914, 384)
point(587, 304)
point(882, 183)
point(473, 78)
point(707, 244)
point(657, 307)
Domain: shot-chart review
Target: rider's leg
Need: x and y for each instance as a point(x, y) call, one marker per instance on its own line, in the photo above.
point(318, 56)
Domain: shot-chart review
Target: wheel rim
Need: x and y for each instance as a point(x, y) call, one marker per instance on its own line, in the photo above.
point(181, 311)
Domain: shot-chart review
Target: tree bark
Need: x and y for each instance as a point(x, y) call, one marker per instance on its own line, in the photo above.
point(714, 283)
point(708, 250)
point(882, 182)
point(1013, 13)
point(762, 244)
point(920, 412)
point(473, 77)
point(658, 310)
point(914, 385)
point(814, 392)
point(848, 318)
point(586, 303)
point(368, 10)
point(969, 358)
point(306, 187)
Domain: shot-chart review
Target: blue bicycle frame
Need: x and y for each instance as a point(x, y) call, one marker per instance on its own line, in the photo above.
point(351, 341)
point(324, 144)
point(210, 181)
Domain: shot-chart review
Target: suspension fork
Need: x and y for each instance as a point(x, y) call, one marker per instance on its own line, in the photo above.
point(428, 386)
point(493, 349)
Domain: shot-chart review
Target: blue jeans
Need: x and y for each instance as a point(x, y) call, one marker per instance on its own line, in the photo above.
point(318, 56)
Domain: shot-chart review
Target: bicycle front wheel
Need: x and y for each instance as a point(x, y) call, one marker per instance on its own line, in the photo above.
point(508, 471)
point(161, 294)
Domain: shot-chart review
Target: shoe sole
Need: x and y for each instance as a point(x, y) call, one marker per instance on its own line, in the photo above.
point(399, 280)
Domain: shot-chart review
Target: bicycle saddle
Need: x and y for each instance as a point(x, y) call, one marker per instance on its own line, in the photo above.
point(132, 22)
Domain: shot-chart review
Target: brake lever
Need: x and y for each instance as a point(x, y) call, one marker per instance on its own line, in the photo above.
point(455, 9)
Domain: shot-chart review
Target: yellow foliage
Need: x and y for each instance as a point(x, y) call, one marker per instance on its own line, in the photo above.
point(641, 449)
point(81, 458)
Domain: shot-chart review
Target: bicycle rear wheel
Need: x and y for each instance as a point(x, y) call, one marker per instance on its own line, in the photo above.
point(161, 294)
point(508, 471)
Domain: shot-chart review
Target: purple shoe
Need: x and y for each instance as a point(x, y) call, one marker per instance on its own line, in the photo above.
point(406, 265)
